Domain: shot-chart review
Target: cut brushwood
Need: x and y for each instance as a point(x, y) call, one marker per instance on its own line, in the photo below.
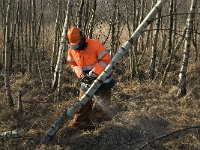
point(67, 115)
point(12, 134)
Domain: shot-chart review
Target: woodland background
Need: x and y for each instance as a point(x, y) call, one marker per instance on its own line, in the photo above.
point(157, 92)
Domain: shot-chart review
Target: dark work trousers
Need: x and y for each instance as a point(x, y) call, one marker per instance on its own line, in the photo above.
point(99, 106)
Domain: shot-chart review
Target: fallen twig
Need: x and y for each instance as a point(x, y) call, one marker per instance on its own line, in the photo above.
point(168, 135)
point(24, 138)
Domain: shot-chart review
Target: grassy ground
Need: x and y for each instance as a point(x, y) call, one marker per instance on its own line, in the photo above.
point(143, 112)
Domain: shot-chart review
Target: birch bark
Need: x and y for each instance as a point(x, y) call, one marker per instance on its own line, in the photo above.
point(182, 76)
point(62, 47)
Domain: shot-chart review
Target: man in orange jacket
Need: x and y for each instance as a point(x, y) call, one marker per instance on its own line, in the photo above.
point(88, 58)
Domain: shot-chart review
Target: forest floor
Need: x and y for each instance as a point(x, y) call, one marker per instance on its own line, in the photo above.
point(143, 113)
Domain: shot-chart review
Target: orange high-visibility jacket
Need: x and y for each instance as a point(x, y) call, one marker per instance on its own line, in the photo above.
point(93, 58)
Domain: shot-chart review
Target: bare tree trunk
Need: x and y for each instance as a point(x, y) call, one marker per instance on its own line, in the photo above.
point(19, 40)
point(30, 55)
point(91, 24)
point(194, 41)
point(171, 27)
point(21, 30)
point(80, 11)
point(182, 76)
point(12, 37)
point(86, 16)
point(132, 55)
point(43, 39)
point(3, 14)
point(113, 26)
point(18, 30)
point(56, 36)
point(164, 37)
point(26, 35)
point(142, 47)
point(171, 42)
point(62, 47)
point(7, 55)
point(147, 44)
point(154, 48)
point(129, 35)
point(37, 36)
point(175, 23)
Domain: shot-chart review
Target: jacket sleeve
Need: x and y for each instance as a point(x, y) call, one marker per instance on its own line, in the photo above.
point(77, 69)
point(103, 57)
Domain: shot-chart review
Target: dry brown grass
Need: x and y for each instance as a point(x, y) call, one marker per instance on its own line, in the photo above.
point(142, 111)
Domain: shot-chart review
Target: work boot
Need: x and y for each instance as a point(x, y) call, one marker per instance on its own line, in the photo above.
point(81, 125)
point(76, 123)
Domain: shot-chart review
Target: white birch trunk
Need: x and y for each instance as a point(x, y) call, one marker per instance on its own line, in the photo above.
point(62, 47)
point(109, 69)
point(56, 36)
point(183, 71)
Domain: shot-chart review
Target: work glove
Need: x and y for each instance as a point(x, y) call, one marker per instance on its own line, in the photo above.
point(78, 70)
point(88, 79)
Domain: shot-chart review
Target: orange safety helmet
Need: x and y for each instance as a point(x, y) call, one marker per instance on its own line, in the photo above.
point(74, 35)
point(76, 38)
